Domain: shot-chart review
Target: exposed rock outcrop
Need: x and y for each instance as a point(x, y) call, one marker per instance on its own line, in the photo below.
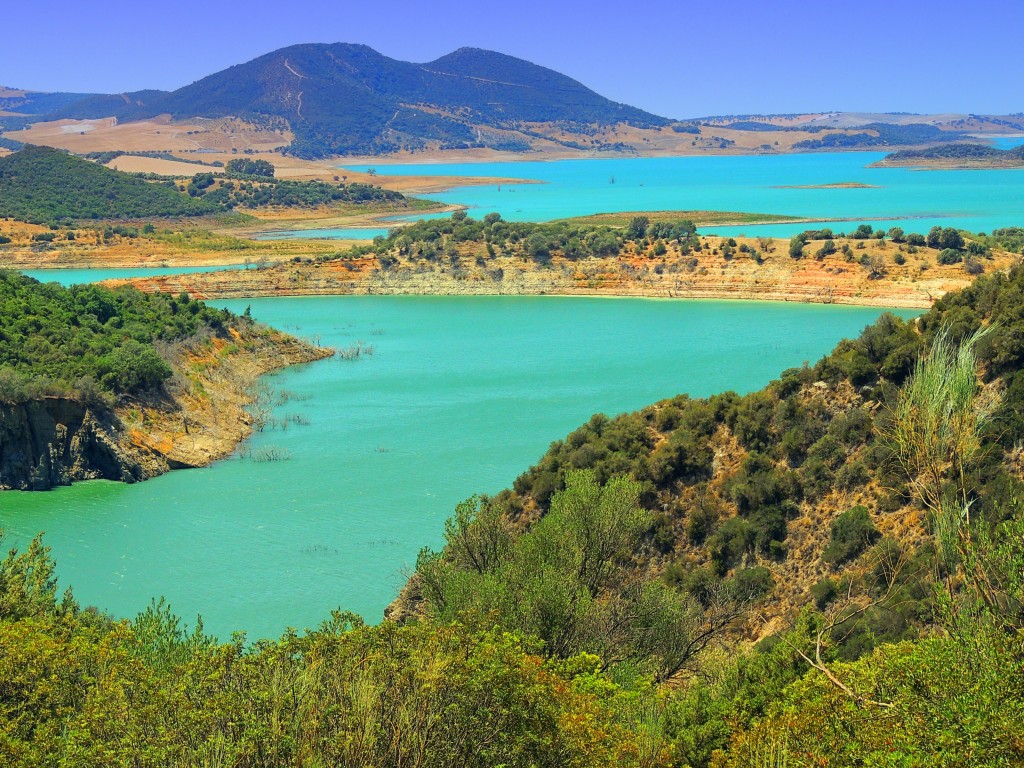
point(56, 441)
point(200, 416)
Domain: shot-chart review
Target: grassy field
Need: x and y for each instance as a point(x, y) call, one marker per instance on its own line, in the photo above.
point(157, 135)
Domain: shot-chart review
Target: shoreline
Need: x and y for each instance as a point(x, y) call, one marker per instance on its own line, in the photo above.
point(203, 414)
point(333, 279)
point(218, 400)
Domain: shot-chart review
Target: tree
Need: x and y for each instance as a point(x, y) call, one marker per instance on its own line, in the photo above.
point(538, 248)
point(876, 266)
point(796, 245)
point(246, 167)
point(637, 229)
point(950, 238)
point(852, 532)
point(133, 367)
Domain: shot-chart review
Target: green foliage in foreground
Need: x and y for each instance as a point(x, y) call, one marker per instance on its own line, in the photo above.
point(564, 581)
point(77, 688)
point(86, 339)
point(80, 689)
point(43, 185)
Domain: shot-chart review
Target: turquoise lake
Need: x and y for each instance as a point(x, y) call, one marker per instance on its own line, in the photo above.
point(460, 396)
point(77, 276)
point(916, 200)
point(322, 234)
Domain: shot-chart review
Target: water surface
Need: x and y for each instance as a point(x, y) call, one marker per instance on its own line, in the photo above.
point(915, 200)
point(68, 277)
point(354, 233)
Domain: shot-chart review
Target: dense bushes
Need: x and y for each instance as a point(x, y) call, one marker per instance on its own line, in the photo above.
point(852, 532)
point(77, 688)
point(89, 338)
point(254, 191)
point(43, 185)
point(428, 238)
point(248, 167)
point(564, 581)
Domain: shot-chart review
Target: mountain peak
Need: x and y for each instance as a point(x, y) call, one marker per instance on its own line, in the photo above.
point(347, 98)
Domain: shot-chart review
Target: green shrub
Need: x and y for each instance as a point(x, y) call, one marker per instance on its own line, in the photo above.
point(852, 533)
point(796, 245)
point(950, 256)
point(824, 592)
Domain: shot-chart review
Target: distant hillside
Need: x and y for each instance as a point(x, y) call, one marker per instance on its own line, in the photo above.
point(882, 135)
point(106, 104)
point(44, 185)
point(348, 99)
point(32, 103)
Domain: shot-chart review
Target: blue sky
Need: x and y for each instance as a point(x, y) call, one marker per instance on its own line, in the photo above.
point(679, 59)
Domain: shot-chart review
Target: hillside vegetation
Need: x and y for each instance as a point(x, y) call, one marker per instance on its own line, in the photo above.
point(660, 255)
point(842, 501)
point(87, 340)
point(39, 184)
point(115, 384)
point(967, 154)
point(882, 135)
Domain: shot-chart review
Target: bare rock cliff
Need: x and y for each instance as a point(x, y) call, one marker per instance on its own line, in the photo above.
point(54, 441)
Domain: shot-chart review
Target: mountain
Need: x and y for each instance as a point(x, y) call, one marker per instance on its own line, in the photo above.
point(346, 99)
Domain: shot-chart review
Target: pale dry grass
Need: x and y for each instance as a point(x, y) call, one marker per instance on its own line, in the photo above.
point(156, 135)
point(142, 164)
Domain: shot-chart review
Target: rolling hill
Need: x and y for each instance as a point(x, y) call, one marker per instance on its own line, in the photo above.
point(43, 185)
point(344, 99)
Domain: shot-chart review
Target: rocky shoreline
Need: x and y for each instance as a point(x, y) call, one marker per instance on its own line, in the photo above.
point(916, 284)
point(200, 417)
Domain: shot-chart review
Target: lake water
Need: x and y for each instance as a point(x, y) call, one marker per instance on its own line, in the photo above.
point(1007, 142)
point(67, 277)
point(323, 234)
point(460, 396)
point(978, 201)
